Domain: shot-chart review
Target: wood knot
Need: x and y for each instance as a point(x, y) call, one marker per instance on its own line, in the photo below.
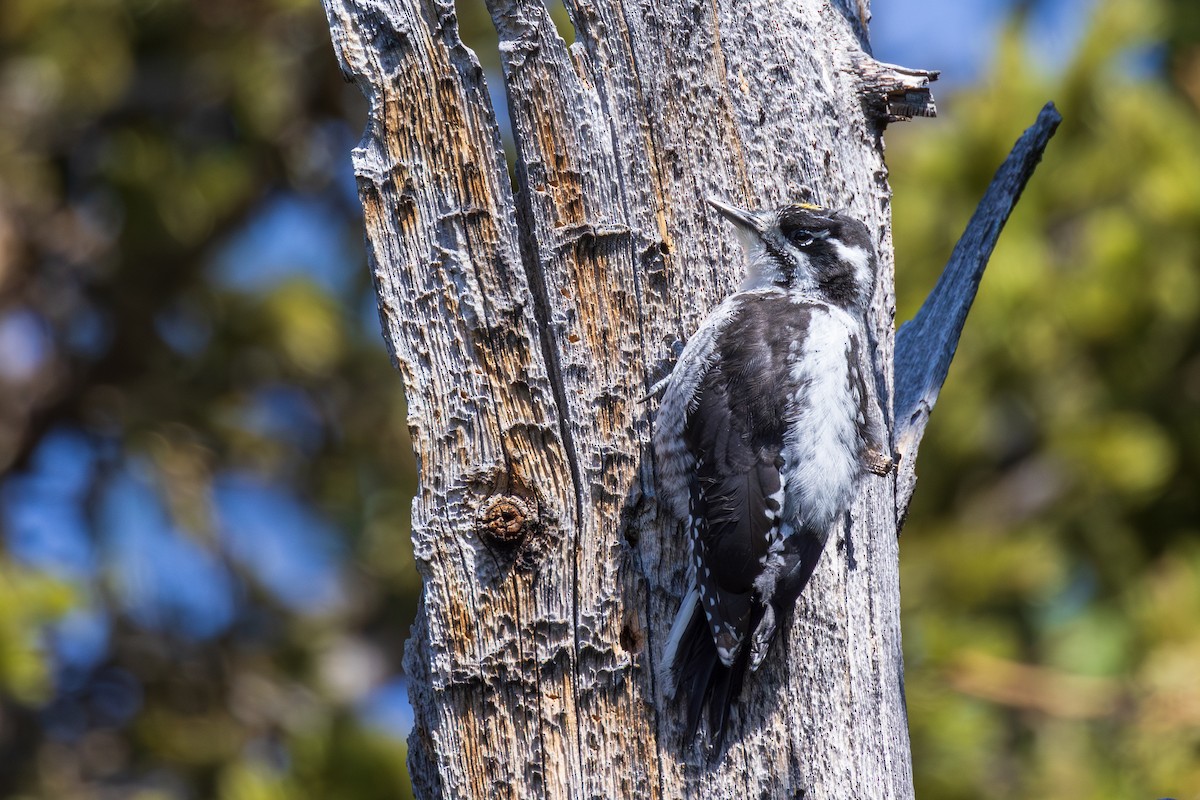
point(506, 519)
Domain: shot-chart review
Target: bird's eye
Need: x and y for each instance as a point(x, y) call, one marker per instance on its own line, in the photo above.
point(802, 238)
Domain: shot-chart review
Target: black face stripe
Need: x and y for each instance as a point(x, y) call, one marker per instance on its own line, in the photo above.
point(840, 288)
point(787, 264)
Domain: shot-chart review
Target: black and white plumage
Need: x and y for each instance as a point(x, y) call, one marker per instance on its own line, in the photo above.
point(765, 426)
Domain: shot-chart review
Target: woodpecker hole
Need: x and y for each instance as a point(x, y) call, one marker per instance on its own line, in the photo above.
point(506, 519)
point(631, 640)
point(653, 260)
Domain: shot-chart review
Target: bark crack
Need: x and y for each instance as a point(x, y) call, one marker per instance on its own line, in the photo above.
point(542, 317)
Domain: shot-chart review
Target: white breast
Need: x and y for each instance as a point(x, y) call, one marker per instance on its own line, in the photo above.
point(821, 448)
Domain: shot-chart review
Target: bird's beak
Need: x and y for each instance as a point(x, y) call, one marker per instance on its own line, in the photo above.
point(746, 220)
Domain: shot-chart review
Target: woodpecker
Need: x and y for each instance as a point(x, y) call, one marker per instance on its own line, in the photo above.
point(766, 425)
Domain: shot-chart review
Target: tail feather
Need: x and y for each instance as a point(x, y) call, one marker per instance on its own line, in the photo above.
point(696, 671)
point(700, 675)
point(668, 669)
point(723, 694)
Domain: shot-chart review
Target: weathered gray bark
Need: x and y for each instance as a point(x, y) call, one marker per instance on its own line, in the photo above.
point(529, 327)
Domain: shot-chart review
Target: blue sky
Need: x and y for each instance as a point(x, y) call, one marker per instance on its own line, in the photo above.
point(958, 37)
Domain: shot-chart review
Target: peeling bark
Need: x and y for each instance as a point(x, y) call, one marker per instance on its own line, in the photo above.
point(529, 328)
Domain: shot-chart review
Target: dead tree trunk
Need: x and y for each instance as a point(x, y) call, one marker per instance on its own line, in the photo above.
point(528, 327)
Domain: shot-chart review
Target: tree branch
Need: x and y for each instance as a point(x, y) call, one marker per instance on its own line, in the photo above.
point(925, 345)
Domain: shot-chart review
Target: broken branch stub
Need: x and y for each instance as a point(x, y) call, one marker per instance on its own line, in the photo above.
point(892, 93)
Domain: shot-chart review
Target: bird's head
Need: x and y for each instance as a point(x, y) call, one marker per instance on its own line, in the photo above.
point(807, 249)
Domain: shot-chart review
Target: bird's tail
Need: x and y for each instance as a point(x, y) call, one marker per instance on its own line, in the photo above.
point(692, 668)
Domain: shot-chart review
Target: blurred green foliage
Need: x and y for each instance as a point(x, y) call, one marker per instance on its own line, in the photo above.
point(1050, 565)
point(29, 601)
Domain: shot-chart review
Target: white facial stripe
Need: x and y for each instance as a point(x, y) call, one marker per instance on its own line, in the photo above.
point(859, 258)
